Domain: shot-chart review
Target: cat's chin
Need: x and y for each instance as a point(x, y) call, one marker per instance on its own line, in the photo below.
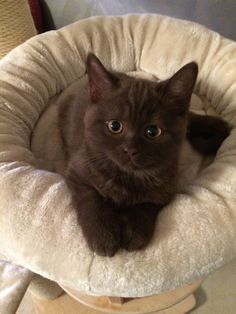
point(130, 167)
point(138, 170)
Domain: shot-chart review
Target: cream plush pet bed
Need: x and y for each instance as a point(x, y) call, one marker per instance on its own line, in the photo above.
point(194, 235)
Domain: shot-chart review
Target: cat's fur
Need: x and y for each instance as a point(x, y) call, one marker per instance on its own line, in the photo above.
point(119, 182)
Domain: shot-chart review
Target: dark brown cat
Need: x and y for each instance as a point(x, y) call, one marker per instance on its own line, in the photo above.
point(123, 138)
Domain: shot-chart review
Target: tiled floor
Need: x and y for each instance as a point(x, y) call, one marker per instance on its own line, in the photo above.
point(216, 296)
point(218, 292)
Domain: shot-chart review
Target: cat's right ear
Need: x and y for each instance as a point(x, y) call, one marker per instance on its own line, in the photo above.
point(100, 79)
point(180, 85)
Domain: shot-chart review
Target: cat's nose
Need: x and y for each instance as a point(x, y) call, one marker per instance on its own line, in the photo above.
point(130, 151)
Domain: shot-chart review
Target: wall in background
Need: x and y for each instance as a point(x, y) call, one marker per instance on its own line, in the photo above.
point(219, 15)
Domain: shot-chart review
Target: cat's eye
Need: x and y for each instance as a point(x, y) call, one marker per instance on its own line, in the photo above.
point(152, 131)
point(114, 126)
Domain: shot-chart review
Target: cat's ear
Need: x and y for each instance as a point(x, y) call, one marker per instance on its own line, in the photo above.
point(180, 85)
point(100, 79)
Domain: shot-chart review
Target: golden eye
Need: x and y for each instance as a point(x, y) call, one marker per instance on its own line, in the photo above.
point(152, 131)
point(114, 126)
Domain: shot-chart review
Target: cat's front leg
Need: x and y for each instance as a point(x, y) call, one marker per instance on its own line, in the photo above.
point(138, 224)
point(101, 227)
point(97, 217)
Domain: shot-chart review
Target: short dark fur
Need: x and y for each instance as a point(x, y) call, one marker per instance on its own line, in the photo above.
point(206, 133)
point(120, 181)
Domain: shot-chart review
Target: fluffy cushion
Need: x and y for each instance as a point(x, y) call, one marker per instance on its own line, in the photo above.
point(194, 235)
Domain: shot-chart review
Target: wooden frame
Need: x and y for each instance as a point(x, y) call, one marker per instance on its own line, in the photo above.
point(178, 301)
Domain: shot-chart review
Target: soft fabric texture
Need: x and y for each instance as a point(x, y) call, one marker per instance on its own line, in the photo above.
point(13, 284)
point(195, 233)
point(43, 288)
point(16, 26)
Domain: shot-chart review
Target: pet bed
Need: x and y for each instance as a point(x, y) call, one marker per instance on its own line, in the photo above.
point(195, 233)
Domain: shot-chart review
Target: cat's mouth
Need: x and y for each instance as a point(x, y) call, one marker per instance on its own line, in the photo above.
point(130, 164)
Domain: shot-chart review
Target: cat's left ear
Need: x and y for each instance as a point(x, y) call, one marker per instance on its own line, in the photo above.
point(181, 84)
point(100, 79)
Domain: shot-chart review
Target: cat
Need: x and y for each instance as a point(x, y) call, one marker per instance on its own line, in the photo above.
point(122, 137)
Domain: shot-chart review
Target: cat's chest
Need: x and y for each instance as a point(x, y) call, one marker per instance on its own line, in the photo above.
point(122, 188)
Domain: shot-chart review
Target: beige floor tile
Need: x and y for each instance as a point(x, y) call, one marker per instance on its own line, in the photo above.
point(218, 292)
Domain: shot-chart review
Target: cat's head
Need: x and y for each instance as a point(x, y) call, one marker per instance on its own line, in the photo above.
point(137, 124)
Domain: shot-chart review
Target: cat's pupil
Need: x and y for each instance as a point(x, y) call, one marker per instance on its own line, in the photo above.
point(153, 131)
point(115, 126)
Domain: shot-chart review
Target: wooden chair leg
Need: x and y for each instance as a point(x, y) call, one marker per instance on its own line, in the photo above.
point(116, 301)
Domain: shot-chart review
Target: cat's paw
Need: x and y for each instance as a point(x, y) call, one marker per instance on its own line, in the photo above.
point(138, 223)
point(133, 238)
point(104, 240)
